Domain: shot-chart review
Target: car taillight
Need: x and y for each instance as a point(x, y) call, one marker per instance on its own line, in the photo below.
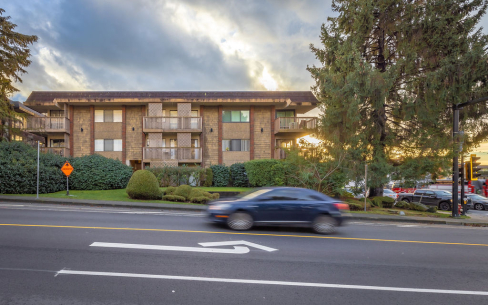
point(342, 206)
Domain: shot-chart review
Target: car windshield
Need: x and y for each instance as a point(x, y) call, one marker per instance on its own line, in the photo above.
point(253, 194)
point(477, 197)
point(387, 191)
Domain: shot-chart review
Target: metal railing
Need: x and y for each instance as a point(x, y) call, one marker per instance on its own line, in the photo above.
point(173, 153)
point(295, 123)
point(60, 151)
point(172, 123)
point(47, 124)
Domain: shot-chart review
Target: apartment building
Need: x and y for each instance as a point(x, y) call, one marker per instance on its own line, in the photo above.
point(151, 129)
point(13, 129)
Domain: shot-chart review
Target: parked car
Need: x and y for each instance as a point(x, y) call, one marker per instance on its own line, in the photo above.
point(355, 194)
point(390, 193)
point(479, 202)
point(439, 198)
point(280, 206)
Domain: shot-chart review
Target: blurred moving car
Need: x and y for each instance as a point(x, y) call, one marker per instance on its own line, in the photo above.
point(478, 202)
point(390, 193)
point(281, 206)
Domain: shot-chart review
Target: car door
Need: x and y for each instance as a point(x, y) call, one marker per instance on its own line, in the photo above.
point(279, 205)
point(429, 198)
point(418, 196)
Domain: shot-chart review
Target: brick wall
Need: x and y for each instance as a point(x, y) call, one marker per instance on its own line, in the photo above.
point(108, 131)
point(134, 143)
point(231, 157)
point(262, 140)
point(236, 131)
point(210, 139)
point(81, 139)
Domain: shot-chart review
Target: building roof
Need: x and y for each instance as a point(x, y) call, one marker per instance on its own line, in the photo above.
point(19, 107)
point(294, 96)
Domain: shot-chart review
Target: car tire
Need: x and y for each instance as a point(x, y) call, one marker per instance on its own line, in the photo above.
point(406, 200)
point(479, 207)
point(324, 224)
point(240, 221)
point(444, 206)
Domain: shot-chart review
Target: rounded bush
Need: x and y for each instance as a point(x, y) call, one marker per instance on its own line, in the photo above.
point(143, 185)
point(183, 191)
point(208, 177)
point(238, 175)
point(221, 175)
point(170, 190)
point(174, 198)
point(418, 207)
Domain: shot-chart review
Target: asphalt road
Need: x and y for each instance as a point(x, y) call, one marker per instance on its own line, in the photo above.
point(83, 255)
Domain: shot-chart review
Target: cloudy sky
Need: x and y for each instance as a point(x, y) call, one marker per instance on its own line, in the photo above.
point(171, 44)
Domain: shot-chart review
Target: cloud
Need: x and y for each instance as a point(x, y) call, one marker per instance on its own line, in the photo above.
point(169, 44)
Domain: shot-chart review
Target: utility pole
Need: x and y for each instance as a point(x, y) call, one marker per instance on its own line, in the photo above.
point(37, 196)
point(365, 185)
point(462, 184)
point(455, 162)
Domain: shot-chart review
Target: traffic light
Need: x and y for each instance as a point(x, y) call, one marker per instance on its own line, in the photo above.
point(474, 167)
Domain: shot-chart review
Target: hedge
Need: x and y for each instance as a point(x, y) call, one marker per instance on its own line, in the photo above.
point(238, 175)
point(178, 175)
point(18, 171)
point(260, 173)
point(221, 175)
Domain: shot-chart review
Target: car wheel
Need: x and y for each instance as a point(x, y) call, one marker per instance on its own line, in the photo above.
point(240, 221)
point(324, 224)
point(479, 207)
point(406, 200)
point(445, 206)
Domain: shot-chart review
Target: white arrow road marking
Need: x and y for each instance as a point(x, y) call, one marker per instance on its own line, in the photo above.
point(237, 242)
point(236, 250)
point(263, 282)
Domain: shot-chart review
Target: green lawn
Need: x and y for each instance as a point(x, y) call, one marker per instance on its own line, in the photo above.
point(121, 195)
point(385, 211)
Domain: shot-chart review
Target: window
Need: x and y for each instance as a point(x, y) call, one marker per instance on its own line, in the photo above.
point(108, 145)
point(108, 116)
point(57, 113)
point(235, 116)
point(285, 113)
point(194, 113)
point(173, 113)
point(57, 143)
point(235, 145)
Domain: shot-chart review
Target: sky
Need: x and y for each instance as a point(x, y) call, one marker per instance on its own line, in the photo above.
point(171, 45)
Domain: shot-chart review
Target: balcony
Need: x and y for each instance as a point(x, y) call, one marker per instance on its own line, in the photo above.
point(172, 124)
point(180, 154)
point(60, 151)
point(280, 154)
point(47, 124)
point(299, 126)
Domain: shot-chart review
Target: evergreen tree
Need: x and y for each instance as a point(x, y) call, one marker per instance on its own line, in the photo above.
point(391, 72)
point(14, 57)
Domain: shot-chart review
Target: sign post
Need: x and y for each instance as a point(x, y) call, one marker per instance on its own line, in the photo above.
point(67, 169)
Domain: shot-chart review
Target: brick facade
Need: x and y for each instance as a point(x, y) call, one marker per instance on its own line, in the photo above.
point(262, 140)
point(133, 137)
point(211, 138)
point(81, 139)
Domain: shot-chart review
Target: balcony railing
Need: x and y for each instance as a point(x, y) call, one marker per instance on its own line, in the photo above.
point(180, 154)
point(172, 124)
point(280, 154)
point(60, 151)
point(47, 124)
point(295, 124)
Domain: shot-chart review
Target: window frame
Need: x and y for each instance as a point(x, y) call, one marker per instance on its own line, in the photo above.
point(244, 143)
point(227, 116)
point(103, 116)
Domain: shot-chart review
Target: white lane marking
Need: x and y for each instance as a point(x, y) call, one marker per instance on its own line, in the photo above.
point(11, 205)
point(263, 282)
point(407, 226)
point(236, 250)
point(238, 242)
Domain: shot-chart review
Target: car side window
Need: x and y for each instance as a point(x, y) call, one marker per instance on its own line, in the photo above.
point(428, 193)
point(287, 194)
point(419, 193)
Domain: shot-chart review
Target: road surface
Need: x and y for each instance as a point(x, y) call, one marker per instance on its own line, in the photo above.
point(84, 255)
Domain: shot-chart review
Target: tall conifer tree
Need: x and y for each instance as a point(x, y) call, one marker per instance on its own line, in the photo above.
point(391, 72)
point(14, 57)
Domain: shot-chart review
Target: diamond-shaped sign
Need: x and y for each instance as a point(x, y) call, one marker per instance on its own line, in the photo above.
point(67, 169)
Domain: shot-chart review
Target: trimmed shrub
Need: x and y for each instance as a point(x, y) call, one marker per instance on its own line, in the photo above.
point(170, 190)
point(259, 172)
point(143, 185)
point(415, 206)
point(183, 191)
point(178, 175)
point(432, 209)
point(208, 177)
point(383, 202)
point(174, 198)
point(278, 174)
point(402, 205)
point(221, 175)
point(215, 195)
point(238, 175)
point(355, 206)
point(200, 199)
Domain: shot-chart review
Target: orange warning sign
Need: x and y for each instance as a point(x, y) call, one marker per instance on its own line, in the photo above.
point(67, 169)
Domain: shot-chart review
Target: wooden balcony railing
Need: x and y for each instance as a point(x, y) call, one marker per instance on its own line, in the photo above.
point(180, 154)
point(60, 151)
point(295, 124)
point(47, 124)
point(172, 124)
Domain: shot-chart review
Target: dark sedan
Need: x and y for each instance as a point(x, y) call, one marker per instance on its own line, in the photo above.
point(282, 206)
point(478, 202)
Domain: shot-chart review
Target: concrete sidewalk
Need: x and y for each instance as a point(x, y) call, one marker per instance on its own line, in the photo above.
point(202, 208)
